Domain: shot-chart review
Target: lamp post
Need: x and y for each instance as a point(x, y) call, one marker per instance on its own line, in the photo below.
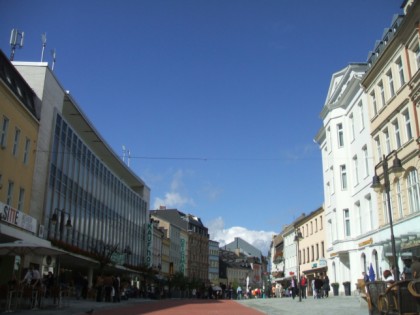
point(397, 170)
point(298, 237)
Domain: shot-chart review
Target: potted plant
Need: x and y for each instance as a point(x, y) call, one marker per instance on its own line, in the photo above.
point(347, 290)
point(335, 288)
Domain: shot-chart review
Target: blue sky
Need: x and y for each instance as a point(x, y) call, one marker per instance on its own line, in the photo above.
point(218, 101)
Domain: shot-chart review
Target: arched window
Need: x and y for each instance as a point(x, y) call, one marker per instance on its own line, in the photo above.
point(413, 191)
point(376, 264)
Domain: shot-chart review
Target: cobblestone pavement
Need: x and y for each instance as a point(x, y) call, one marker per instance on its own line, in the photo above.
point(342, 305)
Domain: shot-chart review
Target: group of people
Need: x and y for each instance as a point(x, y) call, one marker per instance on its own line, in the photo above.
point(108, 288)
point(410, 271)
point(320, 287)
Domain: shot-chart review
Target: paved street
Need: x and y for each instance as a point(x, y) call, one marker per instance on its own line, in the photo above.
point(343, 305)
point(332, 306)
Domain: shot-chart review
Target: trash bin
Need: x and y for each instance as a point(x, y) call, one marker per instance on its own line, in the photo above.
point(347, 290)
point(335, 289)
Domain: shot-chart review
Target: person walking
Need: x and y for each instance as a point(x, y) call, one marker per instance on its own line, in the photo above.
point(326, 286)
point(318, 287)
point(239, 292)
point(303, 285)
point(293, 287)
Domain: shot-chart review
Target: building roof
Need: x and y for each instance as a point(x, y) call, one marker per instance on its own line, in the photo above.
point(17, 84)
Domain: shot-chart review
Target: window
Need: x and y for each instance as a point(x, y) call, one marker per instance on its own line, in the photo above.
point(3, 135)
point(21, 199)
point(317, 251)
point(320, 223)
point(359, 220)
point(370, 211)
point(312, 228)
point(401, 71)
point(343, 175)
point(366, 161)
point(356, 170)
point(10, 193)
point(352, 133)
point(399, 199)
point(387, 141)
point(397, 133)
point(374, 104)
point(26, 152)
point(382, 92)
point(409, 134)
point(378, 148)
point(16, 142)
point(313, 254)
point(322, 249)
point(361, 116)
point(413, 191)
point(340, 135)
point(385, 207)
point(307, 230)
point(346, 215)
point(316, 225)
point(390, 83)
point(418, 57)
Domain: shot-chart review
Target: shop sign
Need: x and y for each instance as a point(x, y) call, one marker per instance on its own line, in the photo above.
point(365, 243)
point(410, 244)
point(322, 262)
point(17, 218)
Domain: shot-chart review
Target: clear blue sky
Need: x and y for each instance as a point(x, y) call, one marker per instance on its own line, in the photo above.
point(224, 95)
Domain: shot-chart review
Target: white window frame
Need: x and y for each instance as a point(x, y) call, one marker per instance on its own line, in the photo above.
point(340, 135)
point(374, 103)
point(378, 148)
point(352, 130)
point(382, 92)
point(399, 198)
point(347, 225)
point(413, 189)
point(16, 140)
point(343, 177)
point(361, 115)
point(401, 71)
point(4, 132)
point(26, 151)
point(397, 133)
point(356, 170)
point(388, 148)
point(366, 160)
point(390, 83)
point(407, 121)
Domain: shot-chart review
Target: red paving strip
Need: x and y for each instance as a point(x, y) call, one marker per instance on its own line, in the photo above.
point(182, 307)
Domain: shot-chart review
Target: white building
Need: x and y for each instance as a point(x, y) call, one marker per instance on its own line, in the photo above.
point(350, 207)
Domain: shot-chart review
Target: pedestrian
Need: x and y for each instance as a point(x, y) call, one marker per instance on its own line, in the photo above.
point(303, 285)
point(239, 292)
point(78, 284)
point(318, 287)
point(99, 287)
point(116, 286)
point(293, 287)
point(326, 286)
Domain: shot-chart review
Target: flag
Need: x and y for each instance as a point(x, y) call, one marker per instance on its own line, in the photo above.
point(371, 273)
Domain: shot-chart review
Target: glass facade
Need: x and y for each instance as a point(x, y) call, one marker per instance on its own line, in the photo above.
point(103, 210)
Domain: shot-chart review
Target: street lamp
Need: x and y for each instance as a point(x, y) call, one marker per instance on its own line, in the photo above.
point(298, 237)
point(397, 170)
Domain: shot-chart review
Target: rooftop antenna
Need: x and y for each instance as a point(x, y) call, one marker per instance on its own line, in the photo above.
point(123, 157)
point(44, 43)
point(16, 39)
point(128, 159)
point(53, 55)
